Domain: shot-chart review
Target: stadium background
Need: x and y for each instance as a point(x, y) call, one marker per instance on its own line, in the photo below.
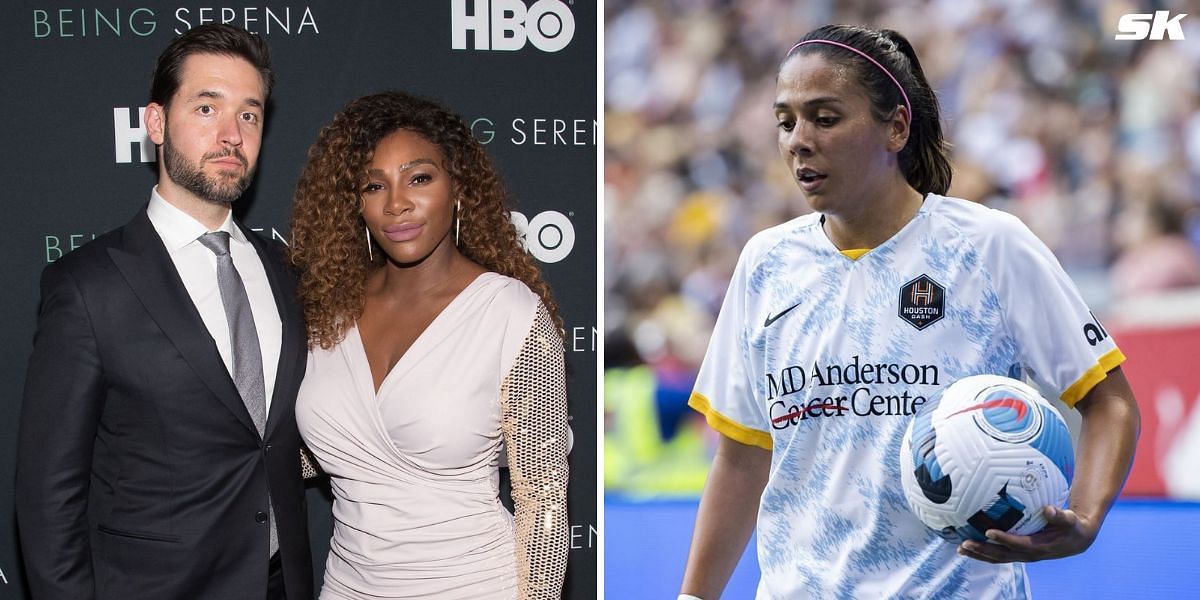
point(76, 73)
point(1093, 142)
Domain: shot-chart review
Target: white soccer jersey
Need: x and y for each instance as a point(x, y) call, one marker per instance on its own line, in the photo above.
point(824, 360)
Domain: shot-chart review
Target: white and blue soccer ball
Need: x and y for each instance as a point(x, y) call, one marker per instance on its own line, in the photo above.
point(987, 452)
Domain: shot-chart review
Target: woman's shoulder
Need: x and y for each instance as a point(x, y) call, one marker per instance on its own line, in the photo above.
point(763, 242)
point(512, 313)
point(998, 235)
point(504, 292)
point(974, 218)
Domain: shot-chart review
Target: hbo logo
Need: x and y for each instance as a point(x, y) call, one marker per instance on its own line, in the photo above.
point(549, 237)
point(508, 24)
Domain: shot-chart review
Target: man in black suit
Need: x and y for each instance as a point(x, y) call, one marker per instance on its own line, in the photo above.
point(158, 454)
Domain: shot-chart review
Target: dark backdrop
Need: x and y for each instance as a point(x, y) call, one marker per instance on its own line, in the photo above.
point(74, 75)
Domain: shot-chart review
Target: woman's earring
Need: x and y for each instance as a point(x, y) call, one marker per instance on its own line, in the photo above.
point(370, 252)
point(457, 219)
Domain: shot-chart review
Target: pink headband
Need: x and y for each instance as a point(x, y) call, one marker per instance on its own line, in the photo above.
point(873, 61)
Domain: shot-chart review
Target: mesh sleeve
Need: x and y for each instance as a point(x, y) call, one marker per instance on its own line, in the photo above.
point(533, 400)
point(308, 465)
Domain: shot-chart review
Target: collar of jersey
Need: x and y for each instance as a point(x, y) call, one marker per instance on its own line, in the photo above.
point(928, 204)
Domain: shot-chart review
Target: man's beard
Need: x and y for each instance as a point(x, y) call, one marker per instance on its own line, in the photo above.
point(224, 189)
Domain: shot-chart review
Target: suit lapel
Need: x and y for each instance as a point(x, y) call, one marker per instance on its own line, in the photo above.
point(146, 266)
point(289, 358)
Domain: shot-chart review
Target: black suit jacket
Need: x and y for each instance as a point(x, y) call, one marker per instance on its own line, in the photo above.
point(139, 471)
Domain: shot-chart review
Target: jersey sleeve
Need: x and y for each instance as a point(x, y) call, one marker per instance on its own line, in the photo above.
point(724, 390)
point(1061, 344)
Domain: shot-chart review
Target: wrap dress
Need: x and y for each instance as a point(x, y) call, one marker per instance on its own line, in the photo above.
point(414, 467)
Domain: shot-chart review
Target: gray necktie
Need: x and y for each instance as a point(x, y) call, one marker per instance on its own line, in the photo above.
point(243, 338)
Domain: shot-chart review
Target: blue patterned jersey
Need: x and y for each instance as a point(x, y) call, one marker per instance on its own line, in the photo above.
point(824, 360)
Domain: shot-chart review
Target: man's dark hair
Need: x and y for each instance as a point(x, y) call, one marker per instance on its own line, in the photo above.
point(225, 40)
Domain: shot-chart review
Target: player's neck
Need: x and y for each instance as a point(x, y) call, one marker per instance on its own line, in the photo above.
point(874, 222)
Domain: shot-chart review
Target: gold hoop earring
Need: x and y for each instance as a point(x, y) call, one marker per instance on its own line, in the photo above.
point(370, 252)
point(457, 219)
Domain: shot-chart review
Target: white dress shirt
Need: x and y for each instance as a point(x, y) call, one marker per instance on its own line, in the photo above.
point(197, 266)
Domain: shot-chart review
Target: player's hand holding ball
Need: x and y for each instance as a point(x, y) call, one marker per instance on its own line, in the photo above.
point(990, 462)
point(1066, 533)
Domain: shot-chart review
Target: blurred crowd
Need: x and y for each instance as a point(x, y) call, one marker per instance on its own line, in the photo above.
point(1093, 142)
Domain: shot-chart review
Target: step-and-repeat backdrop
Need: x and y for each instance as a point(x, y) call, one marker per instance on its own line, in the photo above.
point(75, 161)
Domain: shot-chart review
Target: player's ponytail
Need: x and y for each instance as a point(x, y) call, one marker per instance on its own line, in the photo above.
point(888, 69)
point(925, 161)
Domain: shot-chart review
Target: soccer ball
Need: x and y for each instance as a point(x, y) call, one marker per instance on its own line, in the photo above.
point(987, 452)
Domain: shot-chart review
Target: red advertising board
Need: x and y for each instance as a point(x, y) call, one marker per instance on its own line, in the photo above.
point(1163, 366)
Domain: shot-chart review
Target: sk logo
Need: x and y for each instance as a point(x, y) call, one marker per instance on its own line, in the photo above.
point(1150, 26)
point(922, 302)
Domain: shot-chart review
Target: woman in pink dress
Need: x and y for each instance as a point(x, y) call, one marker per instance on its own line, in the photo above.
point(434, 353)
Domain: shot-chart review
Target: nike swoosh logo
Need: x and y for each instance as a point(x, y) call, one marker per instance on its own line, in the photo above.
point(1012, 403)
point(771, 319)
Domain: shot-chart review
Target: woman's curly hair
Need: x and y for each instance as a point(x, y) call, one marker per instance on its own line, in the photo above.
point(329, 240)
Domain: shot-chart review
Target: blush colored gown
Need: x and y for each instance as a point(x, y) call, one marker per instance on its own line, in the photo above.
point(414, 467)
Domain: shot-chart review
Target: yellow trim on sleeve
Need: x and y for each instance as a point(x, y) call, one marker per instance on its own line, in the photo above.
point(728, 427)
point(856, 253)
point(1092, 376)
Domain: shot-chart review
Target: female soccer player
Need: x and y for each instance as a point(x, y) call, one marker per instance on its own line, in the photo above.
point(837, 327)
point(433, 348)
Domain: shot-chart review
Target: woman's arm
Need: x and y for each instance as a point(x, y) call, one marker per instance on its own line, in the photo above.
point(533, 401)
point(1111, 423)
point(727, 515)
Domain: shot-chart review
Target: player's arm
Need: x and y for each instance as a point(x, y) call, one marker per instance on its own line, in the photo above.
point(727, 515)
point(1111, 423)
point(59, 416)
point(533, 404)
